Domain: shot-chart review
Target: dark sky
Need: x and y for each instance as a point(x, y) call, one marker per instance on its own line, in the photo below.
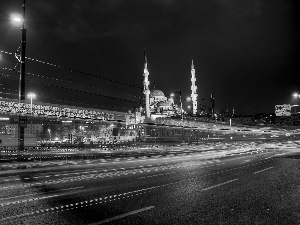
point(245, 52)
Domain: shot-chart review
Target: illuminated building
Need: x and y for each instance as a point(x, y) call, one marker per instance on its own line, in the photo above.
point(161, 106)
point(134, 118)
point(156, 103)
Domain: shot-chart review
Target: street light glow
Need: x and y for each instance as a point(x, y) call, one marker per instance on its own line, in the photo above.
point(16, 18)
point(188, 99)
point(296, 95)
point(31, 95)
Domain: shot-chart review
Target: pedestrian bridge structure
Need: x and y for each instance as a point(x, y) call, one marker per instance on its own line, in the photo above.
point(12, 107)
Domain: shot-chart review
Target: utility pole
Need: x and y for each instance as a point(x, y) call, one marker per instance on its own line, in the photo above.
point(181, 105)
point(22, 119)
point(212, 99)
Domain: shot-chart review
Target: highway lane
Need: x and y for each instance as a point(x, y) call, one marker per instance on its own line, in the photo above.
point(127, 156)
point(94, 196)
point(27, 179)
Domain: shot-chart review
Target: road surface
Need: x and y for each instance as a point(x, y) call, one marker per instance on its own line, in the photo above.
point(248, 187)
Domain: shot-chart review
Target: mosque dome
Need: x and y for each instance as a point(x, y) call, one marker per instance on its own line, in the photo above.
point(157, 93)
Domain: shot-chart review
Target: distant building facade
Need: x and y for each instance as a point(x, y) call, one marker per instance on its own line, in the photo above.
point(12, 129)
point(283, 110)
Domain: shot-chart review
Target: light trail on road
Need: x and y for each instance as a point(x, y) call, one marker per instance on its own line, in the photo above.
point(101, 186)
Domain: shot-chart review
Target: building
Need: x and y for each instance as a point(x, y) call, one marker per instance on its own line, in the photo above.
point(12, 129)
point(12, 141)
point(134, 118)
point(156, 103)
point(283, 110)
point(161, 106)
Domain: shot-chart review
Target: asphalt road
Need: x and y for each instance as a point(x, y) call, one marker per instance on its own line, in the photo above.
point(201, 188)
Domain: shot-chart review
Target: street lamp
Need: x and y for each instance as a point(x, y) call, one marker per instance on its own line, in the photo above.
point(188, 99)
point(296, 95)
point(49, 130)
point(31, 96)
point(21, 60)
point(16, 19)
point(107, 137)
point(212, 99)
point(172, 95)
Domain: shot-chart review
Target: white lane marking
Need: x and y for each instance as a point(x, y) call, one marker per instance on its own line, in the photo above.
point(263, 170)
point(123, 215)
point(218, 185)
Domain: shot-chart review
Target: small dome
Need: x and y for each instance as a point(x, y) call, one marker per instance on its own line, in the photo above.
point(156, 93)
point(160, 104)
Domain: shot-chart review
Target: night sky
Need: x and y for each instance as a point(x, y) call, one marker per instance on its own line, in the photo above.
point(245, 52)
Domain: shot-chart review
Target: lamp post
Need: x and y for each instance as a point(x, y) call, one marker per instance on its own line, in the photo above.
point(31, 96)
point(179, 92)
point(296, 96)
point(22, 60)
point(212, 99)
point(49, 130)
point(188, 99)
point(22, 78)
point(181, 105)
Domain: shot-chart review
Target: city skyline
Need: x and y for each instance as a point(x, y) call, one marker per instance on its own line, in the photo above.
point(243, 52)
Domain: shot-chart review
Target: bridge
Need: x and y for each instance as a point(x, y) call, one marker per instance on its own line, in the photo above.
point(13, 107)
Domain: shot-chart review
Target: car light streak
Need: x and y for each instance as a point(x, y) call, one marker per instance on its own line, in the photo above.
point(37, 198)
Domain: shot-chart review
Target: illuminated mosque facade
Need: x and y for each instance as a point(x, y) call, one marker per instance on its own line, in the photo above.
point(161, 106)
point(158, 105)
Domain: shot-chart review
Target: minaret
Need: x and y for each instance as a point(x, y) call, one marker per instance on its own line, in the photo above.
point(194, 94)
point(146, 86)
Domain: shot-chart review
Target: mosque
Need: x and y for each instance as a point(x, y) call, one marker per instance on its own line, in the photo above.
point(158, 105)
point(161, 106)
